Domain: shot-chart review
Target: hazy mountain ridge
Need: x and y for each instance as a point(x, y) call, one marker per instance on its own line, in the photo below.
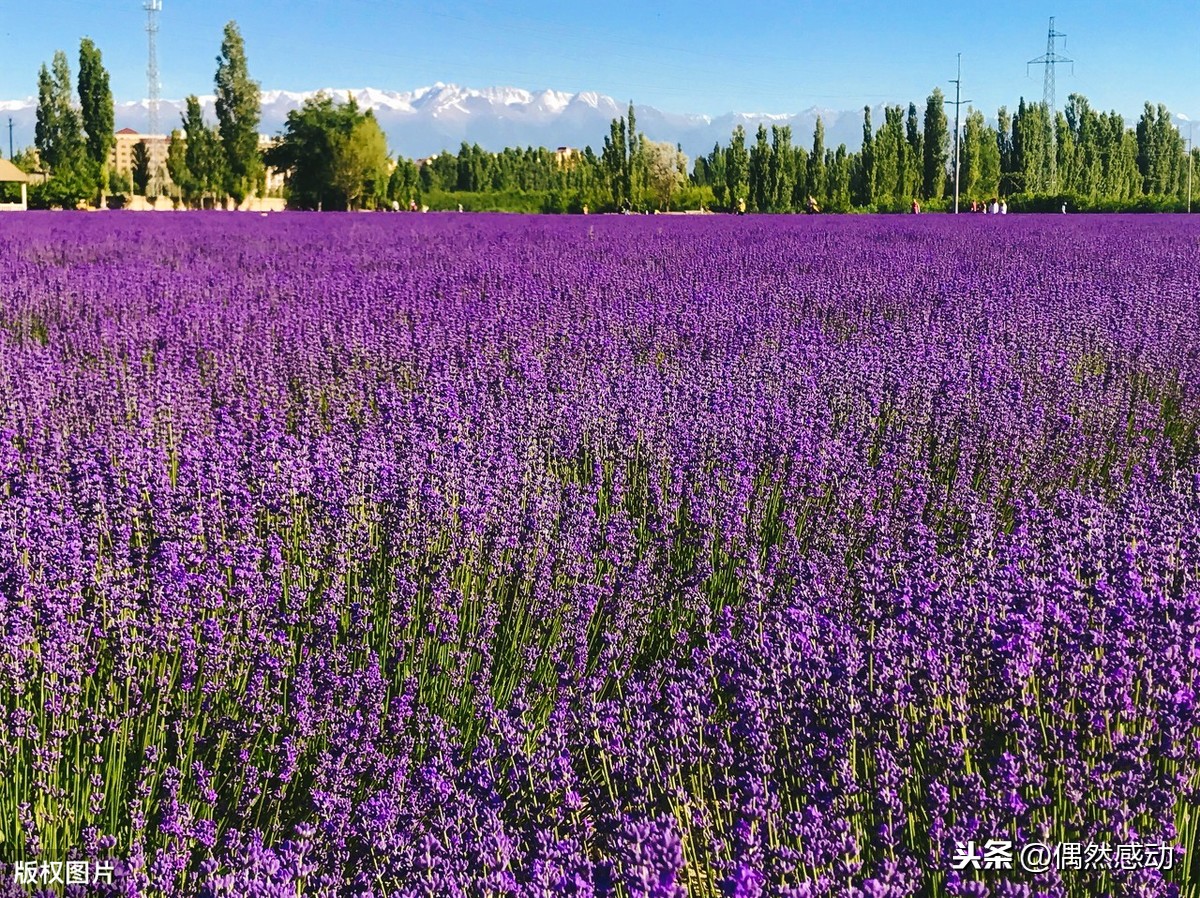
point(424, 121)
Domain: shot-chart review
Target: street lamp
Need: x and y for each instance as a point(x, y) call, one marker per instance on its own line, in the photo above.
point(1190, 123)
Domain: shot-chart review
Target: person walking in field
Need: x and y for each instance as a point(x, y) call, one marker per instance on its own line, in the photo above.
point(1003, 207)
point(741, 209)
point(916, 207)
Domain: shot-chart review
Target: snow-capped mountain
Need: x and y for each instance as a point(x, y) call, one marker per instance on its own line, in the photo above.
point(424, 121)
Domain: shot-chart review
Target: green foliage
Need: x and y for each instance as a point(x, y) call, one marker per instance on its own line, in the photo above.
point(360, 161)
point(760, 158)
point(58, 133)
point(781, 169)
point(96, 103)
point(816, 162)
point(238, 113)
point(334, 156)
point(72, 184)
point(665, 171)
point(195, 161)
point(141, 167)
point(737, 169)
point(935, 147)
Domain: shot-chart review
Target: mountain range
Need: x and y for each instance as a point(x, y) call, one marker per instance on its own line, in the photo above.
point(427, 120)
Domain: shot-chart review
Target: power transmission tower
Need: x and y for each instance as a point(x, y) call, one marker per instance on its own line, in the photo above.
point(153, 8)
point(956, 103)
point(1049, 60)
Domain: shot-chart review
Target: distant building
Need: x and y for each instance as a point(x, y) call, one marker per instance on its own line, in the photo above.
point(120, 158)
point(275, 180)
point(567, 157)
point(10, 174)
point(159, 145)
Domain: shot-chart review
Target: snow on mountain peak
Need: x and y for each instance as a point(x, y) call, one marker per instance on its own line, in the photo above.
point(436, 116)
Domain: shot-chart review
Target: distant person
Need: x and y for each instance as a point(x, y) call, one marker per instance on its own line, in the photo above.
point(812, 206)
point(916, 207)
point(585, 209)
point(1064, 209)
point(995, 210)
point(974, 206)
point(412, 205)
point(395, 205)
point(1003, 207)
point(741, 207)
point(460, 207)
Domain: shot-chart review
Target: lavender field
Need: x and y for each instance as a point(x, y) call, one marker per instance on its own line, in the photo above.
point(494, 556)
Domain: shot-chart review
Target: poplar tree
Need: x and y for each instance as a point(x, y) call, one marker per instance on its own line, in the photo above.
point(58, 133)
point(760, 161)
point(238, 112)
point(864, 192)
point(935, 146)
point(816, 162)
point(737, 168)
point(96, 104)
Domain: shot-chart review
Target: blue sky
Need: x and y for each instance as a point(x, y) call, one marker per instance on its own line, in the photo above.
point(693, 56)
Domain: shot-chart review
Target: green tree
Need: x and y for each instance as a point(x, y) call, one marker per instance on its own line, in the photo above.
point(204, 158)
point(979, 176)
point(666, 171)
point(141, 167)
point(760, 161)
point(58, 133)
point(935, 147)
point(360, 160)
point(238, 111)
point(782, 175)
point(863, 186)
point(716, 173)
point(914, 167)
point(634, 162)
point(1009, 176)
point(891, 160)
point(613, 160)
point(403, 183)
point(96, 104)
point(816, 163)
point(333, 156)
point(737, 169)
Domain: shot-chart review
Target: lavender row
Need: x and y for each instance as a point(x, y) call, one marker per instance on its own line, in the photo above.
point(666, 557)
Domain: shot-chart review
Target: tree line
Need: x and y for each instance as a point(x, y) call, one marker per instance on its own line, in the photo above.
point(333, 155)
point(1089, 159)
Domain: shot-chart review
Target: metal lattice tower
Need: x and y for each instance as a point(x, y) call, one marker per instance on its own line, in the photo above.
point(153, 8)
point(1049, 60)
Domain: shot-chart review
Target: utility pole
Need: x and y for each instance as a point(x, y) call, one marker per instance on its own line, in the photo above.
point(957, 82)
point(10, 146)
point(1049, 59)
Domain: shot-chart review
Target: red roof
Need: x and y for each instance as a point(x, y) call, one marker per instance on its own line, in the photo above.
point(127, 131)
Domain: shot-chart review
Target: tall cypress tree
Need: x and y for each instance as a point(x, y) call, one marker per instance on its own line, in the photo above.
point(238, 111)
point(96, 103)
